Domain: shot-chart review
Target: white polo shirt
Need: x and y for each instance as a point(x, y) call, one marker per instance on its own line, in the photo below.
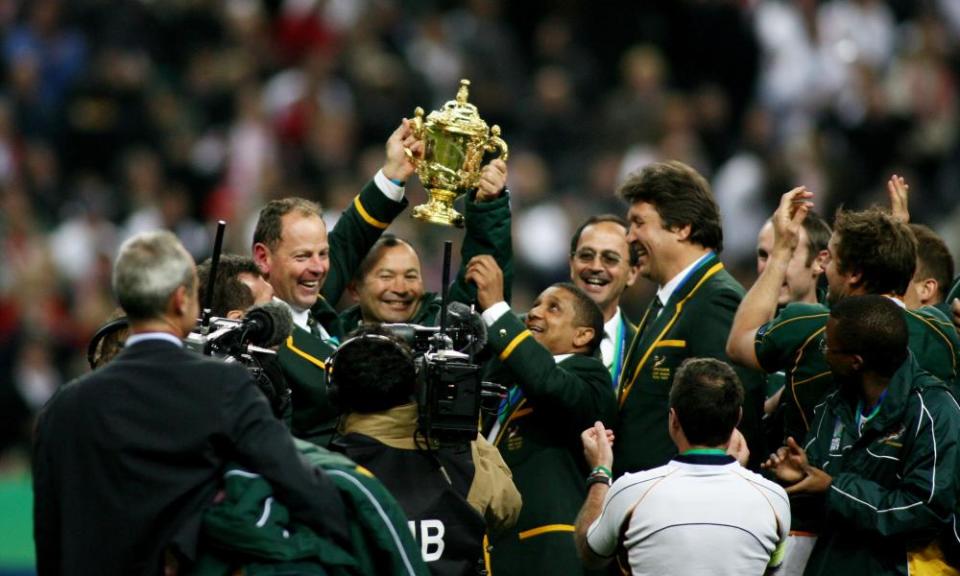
point(698, 514)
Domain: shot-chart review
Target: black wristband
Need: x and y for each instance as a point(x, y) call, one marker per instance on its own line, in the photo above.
point(598, 479)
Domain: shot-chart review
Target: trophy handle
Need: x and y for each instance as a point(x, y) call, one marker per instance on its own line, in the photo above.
point(496, 144)
point(416, 124)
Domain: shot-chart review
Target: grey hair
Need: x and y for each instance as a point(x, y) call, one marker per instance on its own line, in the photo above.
point(149, 269)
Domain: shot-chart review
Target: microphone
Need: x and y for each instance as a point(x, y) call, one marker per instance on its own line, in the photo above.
point(267, 324)
point(468, 326)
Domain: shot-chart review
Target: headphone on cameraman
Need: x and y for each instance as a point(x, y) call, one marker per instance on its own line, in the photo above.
point(115, 325)
point(329, 368)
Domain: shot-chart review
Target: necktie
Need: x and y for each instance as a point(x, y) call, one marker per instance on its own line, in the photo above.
point(655, 307)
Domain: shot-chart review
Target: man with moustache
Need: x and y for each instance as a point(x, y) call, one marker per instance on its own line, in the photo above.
point(601, 264)
point(676, 232)
point(309, 272)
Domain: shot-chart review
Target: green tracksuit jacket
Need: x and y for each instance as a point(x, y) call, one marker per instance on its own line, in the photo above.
point(248, 529)
point(894, 480)
point(791, 342)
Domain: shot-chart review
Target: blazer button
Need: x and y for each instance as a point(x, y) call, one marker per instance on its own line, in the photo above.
point(503, 333)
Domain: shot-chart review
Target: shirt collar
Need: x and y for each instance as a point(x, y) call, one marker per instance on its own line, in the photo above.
point(610, 326)
point(667, 290)
point(709, 459)
point(561, 357)
point(147, 336)
point(898, 302)
point(300, 317)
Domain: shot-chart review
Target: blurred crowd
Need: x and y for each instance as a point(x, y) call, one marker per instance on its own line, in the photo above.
point(119, 116)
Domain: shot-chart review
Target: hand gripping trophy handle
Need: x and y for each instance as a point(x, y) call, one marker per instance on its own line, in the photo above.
point(416, 126)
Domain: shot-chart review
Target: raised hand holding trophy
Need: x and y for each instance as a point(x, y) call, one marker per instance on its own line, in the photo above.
point(455, 141)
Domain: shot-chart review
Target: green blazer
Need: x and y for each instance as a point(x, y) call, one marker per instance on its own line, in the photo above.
point(695, 322)
point(539, 437)
point(303, 355)
point(487, 231)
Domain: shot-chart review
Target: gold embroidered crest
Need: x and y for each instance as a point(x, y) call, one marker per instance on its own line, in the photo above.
point(659, 371)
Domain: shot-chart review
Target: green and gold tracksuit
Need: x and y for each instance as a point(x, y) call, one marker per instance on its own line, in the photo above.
point(250, 532)
point(303, 355)
point(894, 478)
point(695, 322)
point(538, 433)
point(791, 343)
point(486, 231)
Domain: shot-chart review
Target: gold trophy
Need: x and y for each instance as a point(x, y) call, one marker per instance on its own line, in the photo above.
point(455, 140)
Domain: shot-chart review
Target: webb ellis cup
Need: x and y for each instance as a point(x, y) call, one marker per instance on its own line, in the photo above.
point(456, 142)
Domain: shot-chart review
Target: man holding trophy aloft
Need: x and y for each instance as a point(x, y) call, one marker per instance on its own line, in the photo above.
point(388, 285)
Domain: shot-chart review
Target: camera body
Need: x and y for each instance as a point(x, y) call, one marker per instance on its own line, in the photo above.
point(449, 389)
point(228, 340)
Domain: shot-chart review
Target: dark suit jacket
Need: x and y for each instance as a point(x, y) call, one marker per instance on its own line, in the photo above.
point(695, 322)
point(126, 457)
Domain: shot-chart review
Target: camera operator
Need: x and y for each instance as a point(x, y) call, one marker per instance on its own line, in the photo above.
point(127, 457)
point(452, 495)
point(247, 525)
point(238, 286)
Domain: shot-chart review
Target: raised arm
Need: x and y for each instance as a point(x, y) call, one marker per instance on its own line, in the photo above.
point(584, 395)
point(488, 231)
point(598, 453)
point(362, 223)
point(760, 303)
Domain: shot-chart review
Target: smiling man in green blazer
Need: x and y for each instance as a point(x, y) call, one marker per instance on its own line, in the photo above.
point(309, 271)
point(676, 232)
point(556, 383)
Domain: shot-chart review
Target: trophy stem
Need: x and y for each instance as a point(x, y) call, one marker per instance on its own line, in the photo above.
point(439, 209)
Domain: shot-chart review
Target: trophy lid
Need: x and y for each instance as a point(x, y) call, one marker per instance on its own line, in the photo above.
point(459, 115)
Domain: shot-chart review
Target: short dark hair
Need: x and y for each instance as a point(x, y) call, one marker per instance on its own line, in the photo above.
point(387, 240)
point(269, 231)
point(372, 371)
point(586, 313)
point(818, 235)
point(878, 247)
point(706, 396)
point(599, 219)
point(933, 259)
point(681, 196)
point(229, 293)
point(873, 327)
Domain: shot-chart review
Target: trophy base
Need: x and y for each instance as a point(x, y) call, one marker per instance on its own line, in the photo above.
point(439, 209)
